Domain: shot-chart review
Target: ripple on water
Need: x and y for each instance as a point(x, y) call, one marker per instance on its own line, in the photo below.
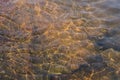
point(56, 36)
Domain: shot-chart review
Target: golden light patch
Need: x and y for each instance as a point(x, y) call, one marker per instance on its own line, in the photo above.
point(37, 10)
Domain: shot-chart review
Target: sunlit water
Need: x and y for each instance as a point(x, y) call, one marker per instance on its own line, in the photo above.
point(59, 39)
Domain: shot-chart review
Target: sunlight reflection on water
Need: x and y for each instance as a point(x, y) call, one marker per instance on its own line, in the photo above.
point(56, 36)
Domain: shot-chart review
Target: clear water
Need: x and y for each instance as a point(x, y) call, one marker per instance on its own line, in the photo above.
point(59, 39)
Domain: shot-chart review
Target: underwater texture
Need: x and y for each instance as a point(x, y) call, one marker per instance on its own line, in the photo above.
point(59, 39)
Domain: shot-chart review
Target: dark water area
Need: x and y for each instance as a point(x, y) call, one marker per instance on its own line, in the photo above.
point(59, 39)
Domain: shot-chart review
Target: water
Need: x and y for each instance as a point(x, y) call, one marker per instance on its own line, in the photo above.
point(59, 39)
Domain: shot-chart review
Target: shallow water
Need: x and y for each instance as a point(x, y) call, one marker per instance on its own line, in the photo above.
point(59, 39)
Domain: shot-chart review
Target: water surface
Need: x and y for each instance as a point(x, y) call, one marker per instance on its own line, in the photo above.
point(59, 39)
